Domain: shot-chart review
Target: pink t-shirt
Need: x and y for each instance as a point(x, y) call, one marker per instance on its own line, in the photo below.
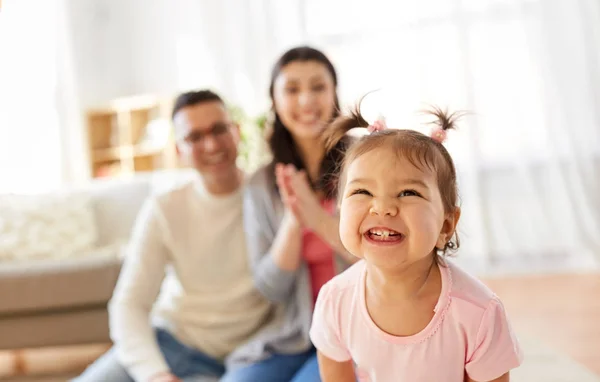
point(469, 332)
point(318, 256)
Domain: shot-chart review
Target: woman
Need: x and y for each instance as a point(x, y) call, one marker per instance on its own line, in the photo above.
point(292, 231)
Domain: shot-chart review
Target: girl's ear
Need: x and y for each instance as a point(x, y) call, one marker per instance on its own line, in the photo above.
point(448, 227)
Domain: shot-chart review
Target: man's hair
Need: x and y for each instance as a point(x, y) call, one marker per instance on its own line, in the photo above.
point(193, 98)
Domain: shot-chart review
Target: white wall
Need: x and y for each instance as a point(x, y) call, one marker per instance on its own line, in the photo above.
point(102, 48)
point(164, 46)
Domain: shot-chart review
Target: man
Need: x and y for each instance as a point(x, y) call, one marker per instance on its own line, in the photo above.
point(193, 238)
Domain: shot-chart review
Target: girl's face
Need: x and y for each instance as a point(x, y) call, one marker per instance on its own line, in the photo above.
point(391, 212)
point(304, 97)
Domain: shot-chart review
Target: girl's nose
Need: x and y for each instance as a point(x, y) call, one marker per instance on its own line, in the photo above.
point(384, 208)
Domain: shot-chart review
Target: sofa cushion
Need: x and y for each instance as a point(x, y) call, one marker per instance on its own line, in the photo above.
point(116, 203)
point(55, 285)
point(70, 327)
point(53, 225)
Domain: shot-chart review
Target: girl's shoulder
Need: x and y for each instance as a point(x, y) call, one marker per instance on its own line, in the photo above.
point(468, 290)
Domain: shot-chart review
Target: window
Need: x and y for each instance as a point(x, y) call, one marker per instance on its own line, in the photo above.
point(30, 157)
point(482, 57)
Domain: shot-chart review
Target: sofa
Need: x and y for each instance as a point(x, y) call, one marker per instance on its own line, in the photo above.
point(62, 300)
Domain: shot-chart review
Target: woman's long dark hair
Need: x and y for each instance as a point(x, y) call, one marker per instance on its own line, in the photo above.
point(282, 143)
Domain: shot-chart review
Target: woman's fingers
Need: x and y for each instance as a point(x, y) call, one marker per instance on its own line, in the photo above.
point(283, 175)
point(301, 186)
point(295, 208)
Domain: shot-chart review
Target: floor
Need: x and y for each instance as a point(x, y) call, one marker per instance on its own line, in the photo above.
point(544, 364)
point(562, 310)
point(48, 364)
point(558, 316)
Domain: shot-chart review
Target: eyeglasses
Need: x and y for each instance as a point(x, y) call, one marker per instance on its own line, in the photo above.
point(217, 130)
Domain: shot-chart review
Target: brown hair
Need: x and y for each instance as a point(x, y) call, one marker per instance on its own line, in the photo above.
point(420, 150)
point(192, 98)
point(280, 140)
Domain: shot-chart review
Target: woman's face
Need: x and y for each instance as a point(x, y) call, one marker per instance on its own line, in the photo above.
point(304, 97)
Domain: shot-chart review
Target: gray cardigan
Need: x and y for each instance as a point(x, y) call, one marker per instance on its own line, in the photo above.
point(288, 332)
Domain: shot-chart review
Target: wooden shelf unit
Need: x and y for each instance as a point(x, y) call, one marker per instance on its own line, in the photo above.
point(120, 142)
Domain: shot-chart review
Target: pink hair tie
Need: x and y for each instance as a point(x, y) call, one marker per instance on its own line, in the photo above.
point(378, 125)
point(438, 135)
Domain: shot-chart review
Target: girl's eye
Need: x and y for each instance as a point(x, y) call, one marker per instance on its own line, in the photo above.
point(291, 90)
point(409, 193)
point(360, 191)
point(319, 88)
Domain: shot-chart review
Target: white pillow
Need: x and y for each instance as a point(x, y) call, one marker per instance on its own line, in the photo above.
point(56, 226)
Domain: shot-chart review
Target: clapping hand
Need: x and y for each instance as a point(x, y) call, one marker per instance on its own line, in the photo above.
point(303, 206)
point(298, 196)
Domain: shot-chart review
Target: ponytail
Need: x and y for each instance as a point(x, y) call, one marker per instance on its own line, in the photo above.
point(341, 125)
point(445, 121)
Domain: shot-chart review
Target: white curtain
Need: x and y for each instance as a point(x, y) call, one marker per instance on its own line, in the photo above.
point(29, 136)
point(67, 101)
point(529, 73)
point(40, 128)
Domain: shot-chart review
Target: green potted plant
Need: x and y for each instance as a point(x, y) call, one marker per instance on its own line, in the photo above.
point(252, 150)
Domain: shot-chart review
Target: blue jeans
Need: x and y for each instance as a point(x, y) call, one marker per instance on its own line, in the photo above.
point(279, 368)
point(192, 365)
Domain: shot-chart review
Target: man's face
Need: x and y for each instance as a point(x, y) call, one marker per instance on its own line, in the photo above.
point(207, 139)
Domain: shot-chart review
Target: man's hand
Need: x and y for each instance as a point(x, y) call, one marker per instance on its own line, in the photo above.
point(164, 376)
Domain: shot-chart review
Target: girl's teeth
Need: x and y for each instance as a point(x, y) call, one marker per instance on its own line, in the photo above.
point(384, 235)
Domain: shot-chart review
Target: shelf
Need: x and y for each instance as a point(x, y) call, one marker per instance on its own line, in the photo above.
point(129, 135)
point(116, 153)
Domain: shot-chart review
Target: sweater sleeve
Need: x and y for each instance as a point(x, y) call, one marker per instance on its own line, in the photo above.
point(136, 291)
point(273, 282)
